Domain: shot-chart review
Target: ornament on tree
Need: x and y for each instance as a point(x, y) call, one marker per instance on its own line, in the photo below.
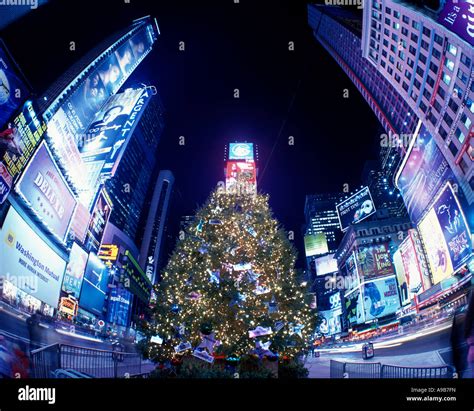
point(193, 295)
point(183, 347)
point(205, 349)
point(242, 266)
point(262, 349)
point(175, 308)
point(156, 339)
point(251, 231)
point(214, 276)
point(199, 226)
point(261, 289)
point(204, 249)
point(279, 325)
point(215, 221)
point(252, 276)
point(272, 306)
point(206, 328)
point(216, 210)
point(260, 331)
point(296, 329)
point(238, 300)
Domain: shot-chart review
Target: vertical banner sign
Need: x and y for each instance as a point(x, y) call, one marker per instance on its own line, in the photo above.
point(6, 181)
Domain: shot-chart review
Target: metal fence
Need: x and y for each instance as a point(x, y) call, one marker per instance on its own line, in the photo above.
point(377, 370)
point(91, 362)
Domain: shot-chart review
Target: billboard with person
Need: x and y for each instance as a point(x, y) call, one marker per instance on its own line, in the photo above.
point(375, 261)
point(380, 298)
point(13, 88)
point(422, 173)
point(98, 222)
point(75, 268)
point(356, 208)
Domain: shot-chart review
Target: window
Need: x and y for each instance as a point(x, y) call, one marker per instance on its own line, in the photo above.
point(452, 49)
point(447, 79)
point(447, 119)
point(386, 32)
point(453, 105)
point(414, 37)
point(410, 62)
point(453, 148)
point(426, 93)
point(382, 63)
point(443, 133)
point(392, 59)
point(437, 106)
point(388, 10)
point(405, 19)
point(419, 71)
point(397, 78)
point(385, 42)
point(412, 50)
point(384, 53)
point(426, 31)
point(436, 53)
point(424, 45)
point(407, 74)
point(387, 21)
point(404, 31)
point(393, 48)
point(430, 81)
point(390, 70)
point(395, 37)
point(465, 60)
point(460, 135)
point(422, 58)
point(396, 14)
point(466, 121)
point(396, 26)
point(415, 25)
point(417, 84)
point(449, 64)
point(401, 54)
point(441, 92)
point(433, 68)
point(405, 86)
point(399, 66)
point(462, 76)
point(438, 39)
point(413, 95)
point(423, 107)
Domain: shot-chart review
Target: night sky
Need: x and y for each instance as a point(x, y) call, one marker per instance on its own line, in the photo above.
point(282, 93)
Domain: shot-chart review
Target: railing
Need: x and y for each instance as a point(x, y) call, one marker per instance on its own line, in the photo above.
point(376, 370)
point(91, 362)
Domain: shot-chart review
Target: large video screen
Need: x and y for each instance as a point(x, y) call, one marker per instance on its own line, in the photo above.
point(26, 132)
point(326, 265)
point(458, 17)
point(380, 298)
point(241, 177)
point(100, 217)
point(424, 172)
point(446, 235)
point(315, 244)
point(330, 322)
point(118, 308)
point(29, 262)
point(354, 307)
point(107, 137)
point(47, 193)
point(74, 274)
point(94, 287)
point(412, 266)
point(375, 261)
point(356, 208)
point(241, 151)
point(13, 90)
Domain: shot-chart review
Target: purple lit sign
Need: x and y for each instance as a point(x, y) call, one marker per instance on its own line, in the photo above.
point(458, 17)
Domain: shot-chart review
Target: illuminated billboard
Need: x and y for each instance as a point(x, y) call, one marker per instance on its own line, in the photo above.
point(330, 322)
point(25, 133)
point(75, 268)
point(94, 286)
point(354, 307)
point(118, 306)
point(326, 264)
point(401, 278)
point(100, 217)
point(241, 177)
point(108, 252)
point(458, 17)
point(412, 265)
point(423, 172)
point(13, 90)
point(241, 151)
point(380, 298)
point(28, 262)
point(315, 244)
point(107, 136)
point(80, 222)
point(356, 208)
point(46, 192)
point(375, 261)
point(446, 235)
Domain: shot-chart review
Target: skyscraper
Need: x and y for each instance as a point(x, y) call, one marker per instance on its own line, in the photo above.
point(427, 57)
point(153, 239)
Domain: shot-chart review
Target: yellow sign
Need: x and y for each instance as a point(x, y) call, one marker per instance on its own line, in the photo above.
point(108, 252)
point(68, 306)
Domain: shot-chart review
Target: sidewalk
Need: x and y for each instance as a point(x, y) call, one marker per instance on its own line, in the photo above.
point(320, 367)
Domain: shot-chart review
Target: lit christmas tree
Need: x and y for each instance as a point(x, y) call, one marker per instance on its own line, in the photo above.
point(230, 287)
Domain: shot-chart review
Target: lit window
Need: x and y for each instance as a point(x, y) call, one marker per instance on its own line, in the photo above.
point(449, 64)
point(446, 79)
point(452, 49)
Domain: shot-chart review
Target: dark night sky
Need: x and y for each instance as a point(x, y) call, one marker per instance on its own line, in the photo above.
point(228, 46)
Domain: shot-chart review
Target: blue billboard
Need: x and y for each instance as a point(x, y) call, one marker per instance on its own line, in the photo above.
point(94, 287)
point(454, 227)
point(118, 308)
point(422, 174)
point(380, 298)
point(241, 151)
point(13, 90)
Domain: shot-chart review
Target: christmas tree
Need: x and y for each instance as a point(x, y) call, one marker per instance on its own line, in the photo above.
point(230, 287)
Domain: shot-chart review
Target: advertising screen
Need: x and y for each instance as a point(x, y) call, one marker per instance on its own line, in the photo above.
point(458, 17)
point(241, 151)
point(118, 307)
point(13, 90)
point(401, 278)
point(80, 222)
point(100, 217)
point(47, 193)
point(108, 135)
point(28, 262)
point(327, 298)
point(74, 274)
point(326, 264)
point(423, 172)
point(354, 307)
point(25, 132)
point(241, 176)
point(330, 322)
point(94, 286)
point(352, 272)
point(375, 261)
point(446, 236)
point(315, 244)
point(356, 208)
point(380, 298)
point(412, 267)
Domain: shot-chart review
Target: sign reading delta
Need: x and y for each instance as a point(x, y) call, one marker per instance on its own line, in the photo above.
point(47, 193)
